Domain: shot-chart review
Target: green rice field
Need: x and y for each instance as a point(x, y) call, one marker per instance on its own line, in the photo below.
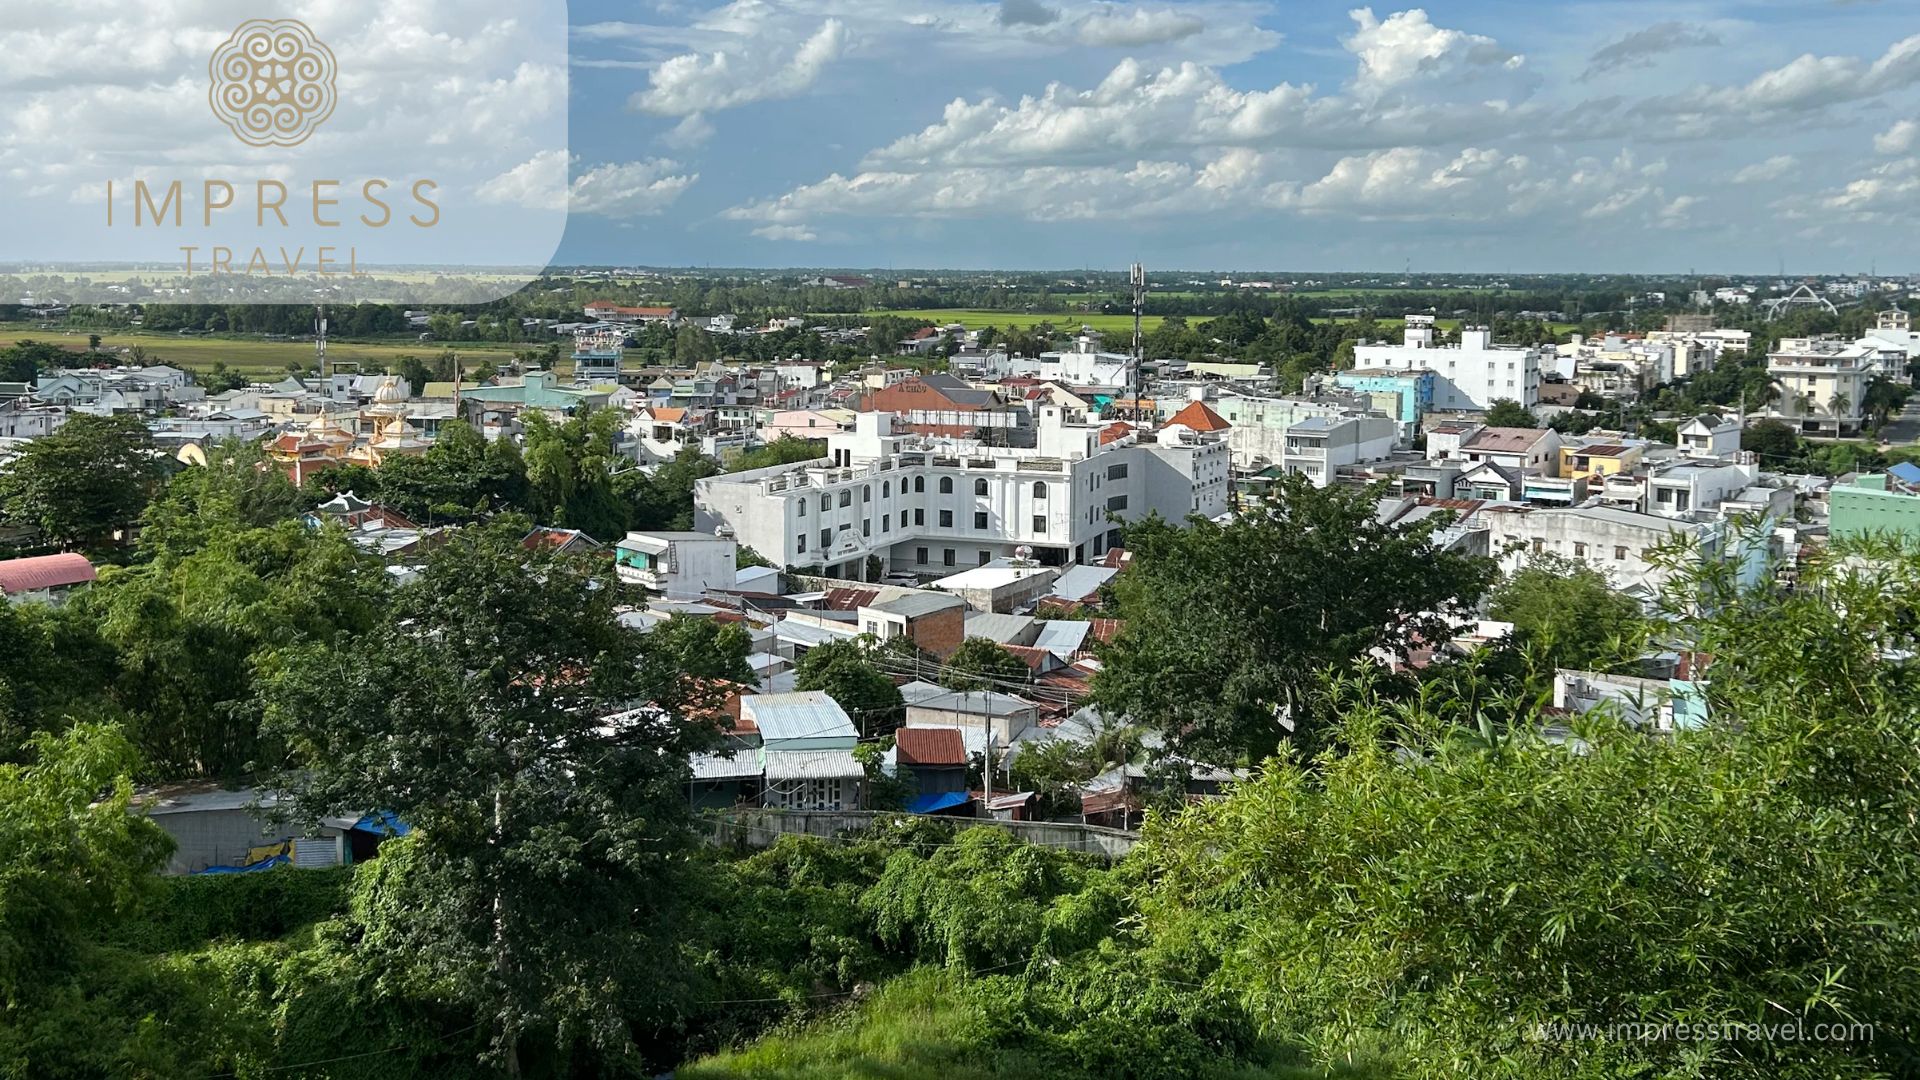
point(242, 354)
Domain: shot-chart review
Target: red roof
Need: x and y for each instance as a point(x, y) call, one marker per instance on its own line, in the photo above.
point(1200, 418)
point(929, 746)
point(651, 312)
point(845, 599)
point(1105, 630)
point(44, 572)
point(1113, 431)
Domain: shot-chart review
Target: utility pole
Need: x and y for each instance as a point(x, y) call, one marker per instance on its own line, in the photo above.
point(320, 345)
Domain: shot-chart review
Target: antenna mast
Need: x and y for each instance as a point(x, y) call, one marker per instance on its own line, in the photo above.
point(320, 345)
point(1138, 278)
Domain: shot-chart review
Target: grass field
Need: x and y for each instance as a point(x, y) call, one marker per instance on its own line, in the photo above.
point(242, 354)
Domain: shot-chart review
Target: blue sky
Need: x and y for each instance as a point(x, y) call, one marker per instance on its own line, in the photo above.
point(1237, 134)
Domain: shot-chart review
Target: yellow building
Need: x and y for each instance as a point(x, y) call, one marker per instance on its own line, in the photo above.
point(1599, 459)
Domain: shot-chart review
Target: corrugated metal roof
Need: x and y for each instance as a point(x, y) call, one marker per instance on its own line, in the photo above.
point(810, 765)
point(807, 714)
point(44, 572)
point(997, 628)
point(1079, 582)
point(930, 746)
point(715, 767)
point(1063, 637)
point(977, 703)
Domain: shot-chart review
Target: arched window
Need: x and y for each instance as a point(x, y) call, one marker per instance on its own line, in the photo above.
point(886, 489)
point(1039, 489)
point(980, 487)
point(946, 485)
point(866, 493)
point(919, 484)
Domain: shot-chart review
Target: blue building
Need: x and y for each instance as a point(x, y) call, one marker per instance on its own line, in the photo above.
point(1414, 388)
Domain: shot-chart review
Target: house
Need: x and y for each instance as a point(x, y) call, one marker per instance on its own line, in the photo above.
point(934, 622)
point(1663, 705)
point(944, 405)
point(1002, 585)
point(678, 565)
point(217, 829)
point(806, 751)
point(1878, 504)
point(44, 579)
point(807, 423)
point(1519, 449)
point(1823, 382)
point(1620, 544)
point(561, 542)
point(933, 760)
point(1006, 716)
point(1705, 436)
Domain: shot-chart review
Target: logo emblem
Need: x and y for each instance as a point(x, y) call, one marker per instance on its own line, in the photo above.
point(272, 82)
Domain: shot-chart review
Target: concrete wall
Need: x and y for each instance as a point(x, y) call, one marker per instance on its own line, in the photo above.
point(758, 829)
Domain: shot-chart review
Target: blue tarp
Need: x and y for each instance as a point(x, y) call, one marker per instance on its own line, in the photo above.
point(383, 823)
point(263, 864)
point(1906, 473)
point(946, 800)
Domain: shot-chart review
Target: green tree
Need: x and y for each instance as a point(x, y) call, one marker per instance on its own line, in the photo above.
point(1775, 442)
point(1570, 611)
point(1226, 628)
point(704, 648)
point(77, 856)
point(238, 488)
point(569, 473)
point(1509, 413)
point(23, 361)
point(88, 479)
point(982, 664)
point(493, 710)
point(846, 671)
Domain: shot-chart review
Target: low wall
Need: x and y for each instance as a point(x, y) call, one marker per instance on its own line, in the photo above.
point(760, 828)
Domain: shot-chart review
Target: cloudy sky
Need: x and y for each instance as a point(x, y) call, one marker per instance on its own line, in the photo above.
point(1468, 134)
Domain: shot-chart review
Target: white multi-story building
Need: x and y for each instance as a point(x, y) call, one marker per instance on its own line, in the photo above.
point(924, 504)
point(1822, 382)
point(1469, 377)
point(1083, 365)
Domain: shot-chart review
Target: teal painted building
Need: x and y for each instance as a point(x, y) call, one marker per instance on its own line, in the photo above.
point(1886, 502)
point(1414, 387)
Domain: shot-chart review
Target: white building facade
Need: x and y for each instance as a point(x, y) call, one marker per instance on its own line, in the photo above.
point(930, 505)
point(1469, 377)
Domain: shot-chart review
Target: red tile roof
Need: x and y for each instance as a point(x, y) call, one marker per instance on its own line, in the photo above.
point(1105, 630)
point(1200, 418)
point(1504, 439)
point(845, 599)
point(44, 572)
point(929, 746)
point(1119, 429)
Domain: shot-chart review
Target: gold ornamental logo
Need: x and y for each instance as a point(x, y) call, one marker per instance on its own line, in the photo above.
point(272, 82)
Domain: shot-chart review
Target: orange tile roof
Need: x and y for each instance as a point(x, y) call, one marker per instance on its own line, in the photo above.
point(1199, 417)
point(929, 746)
point(671, 416)
point(1115, 431)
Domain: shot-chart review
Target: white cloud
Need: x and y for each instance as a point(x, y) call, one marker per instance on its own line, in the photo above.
point(1407, 46)
point(1897, 139)
point(1761, 172)
point(1026, 13)
point(708, 82)
point(692, 131)
point(1130, 29)
point(786, 232)
point(1888, 191)
point(1804, 84)
point(632, 189)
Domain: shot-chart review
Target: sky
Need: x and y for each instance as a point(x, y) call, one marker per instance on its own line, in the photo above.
point(1477, 135)
point(1483, 136)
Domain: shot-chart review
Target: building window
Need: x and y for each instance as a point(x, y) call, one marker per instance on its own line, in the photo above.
point(948, 557)
point(826, 503)
point(920, 556)
point(980, 487)
point(946, 485)
point(1117, 472)
point(986, 557)
point(946, 519)
point(1539, 545)
point(801, 544)
point(1619, 552)
point(1117, 502)
point(1579, 550)
point(866, 493)
point(980, 520)
point(846, 498)
point(920, 484)
point(866, 527)
point(1040, 524)
point(1039, 489)
point(826, 539)
point(919, 517)
point(886, 523)
point(886, 489)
